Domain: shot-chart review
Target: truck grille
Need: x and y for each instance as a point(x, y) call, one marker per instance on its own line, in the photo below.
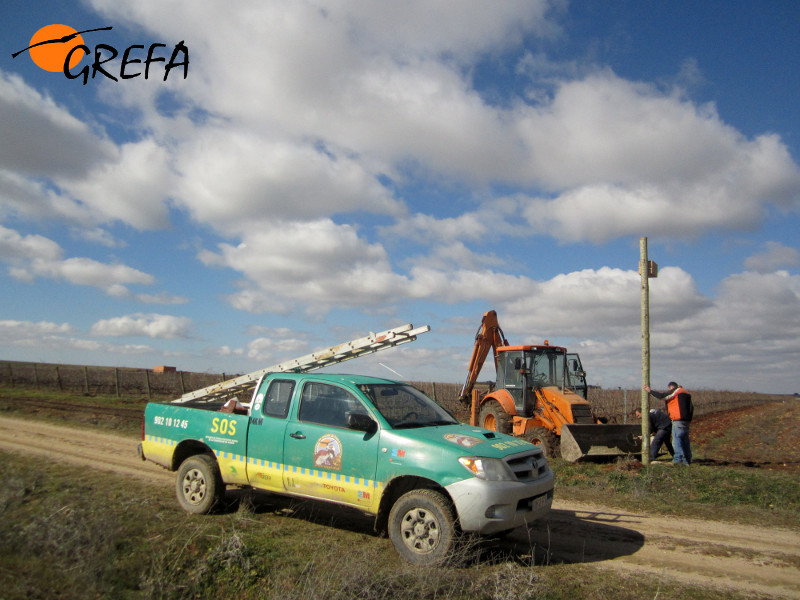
point(528, 466)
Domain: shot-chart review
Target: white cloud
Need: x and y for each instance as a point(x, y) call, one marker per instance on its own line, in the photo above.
point(316, 263)
point(597, 304)
point(463, 285)
point(774, 256)
point(604, 128)
point(22, 335)
point(31, 256)
point(147, 325)
point(34, 199)
point(16, 249)
point(15, 331)
point(132, 188)
point(427, 229)
point(85, 271)
point(97, 236)
point(747, 337)
point(625, 158)
point(271, 350)
point(236, 181)
point(54, 166)
point(36, 131)
point(162, 298)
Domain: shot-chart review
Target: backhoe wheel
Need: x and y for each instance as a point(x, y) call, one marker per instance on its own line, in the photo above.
point(546, 440)
point(422, 527)
point(199, 485)
point(494, 418)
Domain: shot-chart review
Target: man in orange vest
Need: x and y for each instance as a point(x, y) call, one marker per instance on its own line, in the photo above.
point(680, 410)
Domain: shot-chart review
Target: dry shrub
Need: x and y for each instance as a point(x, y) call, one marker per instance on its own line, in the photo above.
point(193, 563)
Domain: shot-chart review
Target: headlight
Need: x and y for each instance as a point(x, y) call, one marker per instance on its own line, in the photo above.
point(490, 469)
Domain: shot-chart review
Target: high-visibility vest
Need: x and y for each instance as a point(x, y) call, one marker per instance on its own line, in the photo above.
point(679, 405)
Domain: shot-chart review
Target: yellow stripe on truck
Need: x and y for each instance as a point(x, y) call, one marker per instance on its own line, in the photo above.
point(238, 470)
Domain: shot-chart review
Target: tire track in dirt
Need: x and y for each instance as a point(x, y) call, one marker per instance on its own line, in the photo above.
point(711, 554)
point(108, 452)
point(726, 556)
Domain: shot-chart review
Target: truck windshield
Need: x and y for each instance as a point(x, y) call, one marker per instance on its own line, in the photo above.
point(545, 368)
point(404, 406)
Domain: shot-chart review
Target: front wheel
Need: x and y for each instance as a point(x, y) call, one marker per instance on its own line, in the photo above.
point(199, 486)
point(494, 418)
point(422, 527)
point(546, 440)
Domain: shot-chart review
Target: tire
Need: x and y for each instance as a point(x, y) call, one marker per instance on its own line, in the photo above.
point(199, 485)
point(546, 440)
point(422, 527)
point(494, 418)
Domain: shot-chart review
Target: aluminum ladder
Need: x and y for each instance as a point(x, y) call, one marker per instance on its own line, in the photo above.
point(374, 342)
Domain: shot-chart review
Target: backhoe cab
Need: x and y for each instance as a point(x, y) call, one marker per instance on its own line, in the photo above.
point(541, 395)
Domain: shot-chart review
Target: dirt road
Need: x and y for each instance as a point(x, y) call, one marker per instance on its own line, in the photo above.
point(764, 562)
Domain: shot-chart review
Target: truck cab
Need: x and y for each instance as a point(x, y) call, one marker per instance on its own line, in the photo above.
point(521, 370)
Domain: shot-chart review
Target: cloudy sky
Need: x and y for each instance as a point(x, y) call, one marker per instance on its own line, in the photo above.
point(327, 169)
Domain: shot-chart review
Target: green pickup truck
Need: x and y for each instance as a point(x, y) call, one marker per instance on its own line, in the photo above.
point(378, 445)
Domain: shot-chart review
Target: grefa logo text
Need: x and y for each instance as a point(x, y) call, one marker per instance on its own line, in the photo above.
point(58, 47)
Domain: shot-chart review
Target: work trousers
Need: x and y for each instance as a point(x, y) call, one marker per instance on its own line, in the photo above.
point(680, 440)
point(661, 436)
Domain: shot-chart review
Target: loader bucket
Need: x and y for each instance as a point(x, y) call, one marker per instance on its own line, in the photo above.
point(581, 441)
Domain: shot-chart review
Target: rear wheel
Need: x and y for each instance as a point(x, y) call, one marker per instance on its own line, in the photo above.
point(422, 527)
point(494, 418)
point(199, 485)
point(546, 440)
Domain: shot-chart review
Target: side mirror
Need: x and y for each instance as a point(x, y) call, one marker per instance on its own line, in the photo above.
point(361, 422)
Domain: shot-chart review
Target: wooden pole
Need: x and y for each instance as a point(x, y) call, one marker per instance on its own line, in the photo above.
point(644, 272)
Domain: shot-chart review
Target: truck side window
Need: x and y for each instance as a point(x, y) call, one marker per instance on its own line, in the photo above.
point(278, 396)
point(328, 405)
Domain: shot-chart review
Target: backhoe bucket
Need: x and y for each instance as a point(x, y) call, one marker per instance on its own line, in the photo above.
point(581, 441)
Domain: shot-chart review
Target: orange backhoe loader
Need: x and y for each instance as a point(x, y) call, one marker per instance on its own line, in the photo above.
point(540, 395)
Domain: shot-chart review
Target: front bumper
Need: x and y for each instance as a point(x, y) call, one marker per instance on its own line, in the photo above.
point(487, 507)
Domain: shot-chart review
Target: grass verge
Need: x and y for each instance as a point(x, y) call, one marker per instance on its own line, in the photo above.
point(738, 494)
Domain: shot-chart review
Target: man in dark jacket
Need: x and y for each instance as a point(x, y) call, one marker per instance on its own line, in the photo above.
point(661, 429)
point(680, 410)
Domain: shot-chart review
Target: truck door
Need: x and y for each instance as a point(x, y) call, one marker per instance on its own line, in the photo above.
point(325, 459)
point(513, 378)
point(268, 418)
point(576, 376)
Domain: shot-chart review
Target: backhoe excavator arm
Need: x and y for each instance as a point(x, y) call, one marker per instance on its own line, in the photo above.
point(489, 336)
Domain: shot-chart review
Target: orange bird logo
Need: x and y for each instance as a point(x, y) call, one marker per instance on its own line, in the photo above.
point(50, 46)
